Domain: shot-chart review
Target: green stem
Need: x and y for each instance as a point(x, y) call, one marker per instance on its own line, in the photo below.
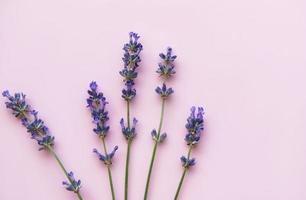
point(63, 168)
point(154, 150)
point(128, 114)
point(126, 179)
point(150, 170)
point(79, 196)
point(161, 117)
point(109, 172)
point(183, 175)
point(111, 182)
point(126, 184)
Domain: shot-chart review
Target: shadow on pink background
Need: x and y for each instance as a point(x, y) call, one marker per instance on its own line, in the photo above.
point(243, 60)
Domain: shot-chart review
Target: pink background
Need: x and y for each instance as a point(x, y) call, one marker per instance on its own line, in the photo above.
point(243, 60)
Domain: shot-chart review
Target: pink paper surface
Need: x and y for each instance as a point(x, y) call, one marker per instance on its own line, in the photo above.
point(243, 60)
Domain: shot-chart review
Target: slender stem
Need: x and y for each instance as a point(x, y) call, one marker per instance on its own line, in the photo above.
point(126, 179)
point(109, 171)
point(111, 182)
point(183, 175)
point(126, 184)
point(189, 151)
point(63, 168)
point(161, 117)
point(150, 171)
point(180, 184)
point(128, 114)
point(154, 150)
point(79, 196)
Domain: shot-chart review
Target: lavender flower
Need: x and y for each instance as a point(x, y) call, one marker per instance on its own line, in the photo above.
point(128, 132)
point(164, 92)
point(165, 70)
point(158, 138)
point(132, 49)
point(129, 93)
point(17, 104)
point(74, 185)
point(23, 111)
point(107, 159)
point(131, 61)
point(39, 132)
point(187, 162)
point(194, 126)
point(96, 102)
point(166, 67)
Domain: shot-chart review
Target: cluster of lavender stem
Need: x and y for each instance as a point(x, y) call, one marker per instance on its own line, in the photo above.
point(165, 70)
point(129, 73)
point(194, 126)
point(39, 132)
point(96, 102)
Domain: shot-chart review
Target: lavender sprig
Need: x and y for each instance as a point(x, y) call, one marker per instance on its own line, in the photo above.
point(165, 70)
point(194, 126)
point(131, 60)
point(39, 132)
point(96, 102)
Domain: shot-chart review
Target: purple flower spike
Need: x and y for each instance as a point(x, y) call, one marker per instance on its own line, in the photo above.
point(159, 138)
point(129, 93)
point(74, 186)
point(165, 70)
point(133, 47)
point(17, 104)
point(166, 67)
point(131, 61)
point(194, 126)
point(164, 92)
point(96, 102)
point(39, 132)
point(187, 162)
point(35, 126)
point(129, 133)
point(107, 159)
